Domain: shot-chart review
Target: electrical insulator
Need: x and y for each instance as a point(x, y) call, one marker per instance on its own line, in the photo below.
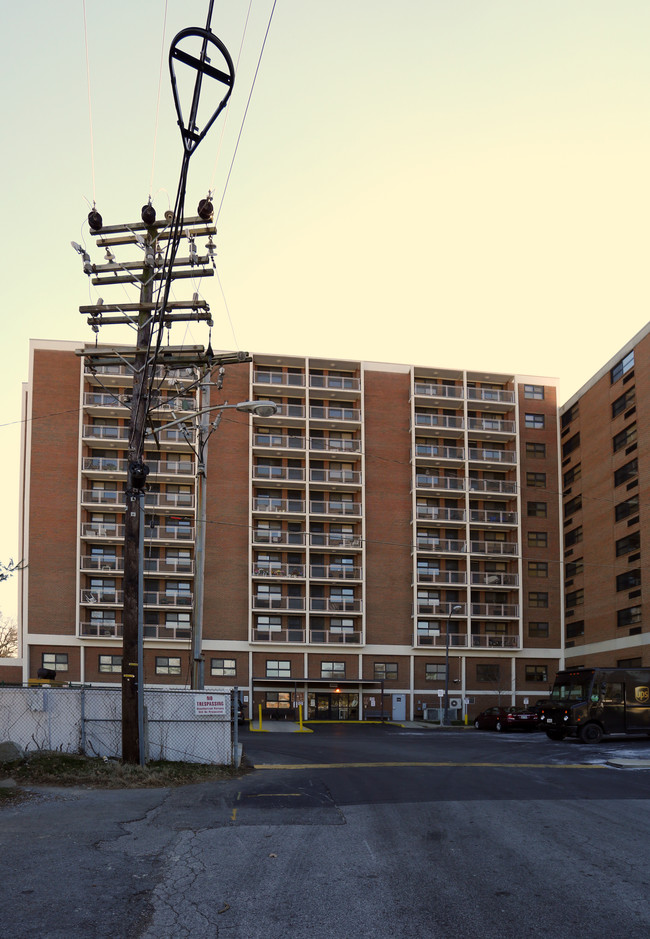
point(206, 210)
point(148, 214)
point(95, 220)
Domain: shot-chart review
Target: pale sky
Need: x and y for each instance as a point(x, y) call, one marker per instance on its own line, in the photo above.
point(459, 183)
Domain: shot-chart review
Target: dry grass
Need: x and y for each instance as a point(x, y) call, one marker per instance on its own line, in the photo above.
point(66, 769)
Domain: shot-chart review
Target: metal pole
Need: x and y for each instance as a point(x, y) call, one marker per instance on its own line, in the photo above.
point(445, 716)
point(198, 682)
point(141, 737)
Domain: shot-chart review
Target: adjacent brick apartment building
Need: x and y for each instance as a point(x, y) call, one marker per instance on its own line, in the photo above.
point(380, 506)
point(605, 454)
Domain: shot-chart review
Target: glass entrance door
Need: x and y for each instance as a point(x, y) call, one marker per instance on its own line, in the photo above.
point(333, 707)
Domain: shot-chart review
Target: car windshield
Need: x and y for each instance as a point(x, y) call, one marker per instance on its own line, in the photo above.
point(573, 689)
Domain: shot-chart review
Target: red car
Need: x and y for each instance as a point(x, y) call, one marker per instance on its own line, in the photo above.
point(503, 719)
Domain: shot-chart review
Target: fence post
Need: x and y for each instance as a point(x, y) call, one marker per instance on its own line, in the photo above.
point(234, 707)
point(83, 719)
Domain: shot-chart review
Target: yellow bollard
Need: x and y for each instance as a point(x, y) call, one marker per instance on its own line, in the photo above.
point(260, 716)
point(300, 715)
point(466, 718)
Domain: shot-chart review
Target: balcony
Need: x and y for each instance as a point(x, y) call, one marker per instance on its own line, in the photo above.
point(494, 579)
point(110, 467)
point(102, 531)
point(500, 487)
point(335, 540)
point(491, 425)
point(438, 422)
point(278, 442)
point(425, 451)
point(266, 536)
point(98, 563)
point(273, 569)
point(440, 545)
point(167, 598)
point(279, 474)
point(332, 413)
point(335, 382)
point(435, 576)
point(333, 605)
point(161, 500)
point(320, 507)
point(272, 602)
point(495, 642)
point(281, 506)
point(491, 396)
point(335, 477)
point(431, 390)
point(100, 630)
point(507, 610)
point(487, 517)
point(492, 456)
point(325, 572)
point(328, 637)
point(494, 547)
point(278, 635)
point(432, 607)
point(160, 533)
point(334, 445)
point(101, 597)
point(437, 513)
point(441, 483)
point(279, 379)
point(434, 638)
point(101, 400)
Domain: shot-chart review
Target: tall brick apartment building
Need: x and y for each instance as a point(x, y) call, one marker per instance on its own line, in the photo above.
point(605, 453)
point(380, 506)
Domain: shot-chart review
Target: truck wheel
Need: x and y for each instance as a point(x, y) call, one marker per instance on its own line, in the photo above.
point(591, 733)
point(555, 735)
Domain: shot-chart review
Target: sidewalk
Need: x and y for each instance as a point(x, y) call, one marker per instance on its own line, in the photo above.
point(292, 727)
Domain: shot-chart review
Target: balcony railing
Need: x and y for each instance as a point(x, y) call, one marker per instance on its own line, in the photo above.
point(272, 602)
point(329, 637)
point(279, 635)
point(493, 517)
point(432, 607)
point(494, 579)
point(442, 545)
point(290, 379)
point(491, 424)
point(335, 476)
point(492, 456)
point(439, 391)
point(332, 605)
point(509, 610)
point(431, 451)
point(320, 507)
point(334, 414)
point(279, 441)
point(325, 572)
point(334, 540)
point(106, 433)
point(505, 487)
point(493, 547)
point(293, 506)
point(335, 445)
point(160, 533)
point(439, 420)
point(268, 536)
point(156, 467)
point(289, 410)
point(169, 500)
point(279, 473)
point(101, 530)
point(97, 630)
point(440, 639)
point(439, 514)
point(491, 394)
point(454, 483)
point(336, 382)
point(440, 577)
point(496, 642)
point(99, 596)
point(105, 399)
point(273, 569)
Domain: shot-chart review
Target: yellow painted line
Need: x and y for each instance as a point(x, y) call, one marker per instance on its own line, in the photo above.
point(233, 815)
point(273, 795)
point(469, 765)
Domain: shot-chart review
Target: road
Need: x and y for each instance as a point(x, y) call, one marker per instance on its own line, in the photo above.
point(351, 831)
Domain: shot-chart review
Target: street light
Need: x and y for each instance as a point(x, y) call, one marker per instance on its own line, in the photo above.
point(454, 609)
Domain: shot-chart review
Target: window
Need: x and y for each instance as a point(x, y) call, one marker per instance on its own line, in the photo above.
point(538, 598)
point(278, 699)
point(332, 670)
point(341, 624)
point(534, 421)
point(575, 567)
point(167, 665)
point(569, 416)
point(622, 367)
point(572, 444)
point(629, 663)
point(536, 673)
point(537, 509)
point(278, 668)
point(629, 616)
point(574, 629)
point(628, 544)
point(487, 673)
point(269, 623)
point(572, 475)
point(536, 451)
point(537, 539)
point(575, 598)
point(625, 437)
point(573, 505)
point(56, 661)
point(627, 508)
point(434, 672)
point(538, 630)
point(537, 480)
point(628, 580)
point(625, 401)
point(573, 537)
point(224, 668)
point(537, 569)
point(628, 471)
point(387, 670)
point(110, 663)
point(535, 392)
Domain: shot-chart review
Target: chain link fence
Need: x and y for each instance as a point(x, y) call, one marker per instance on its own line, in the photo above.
point(187, 726)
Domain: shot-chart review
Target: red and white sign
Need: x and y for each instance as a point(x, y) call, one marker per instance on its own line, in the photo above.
point(210, 705)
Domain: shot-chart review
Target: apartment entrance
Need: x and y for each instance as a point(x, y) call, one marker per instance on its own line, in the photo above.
point(338, 706)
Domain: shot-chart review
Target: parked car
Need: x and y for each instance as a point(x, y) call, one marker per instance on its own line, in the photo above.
point(539, 705)
point(503, 719)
